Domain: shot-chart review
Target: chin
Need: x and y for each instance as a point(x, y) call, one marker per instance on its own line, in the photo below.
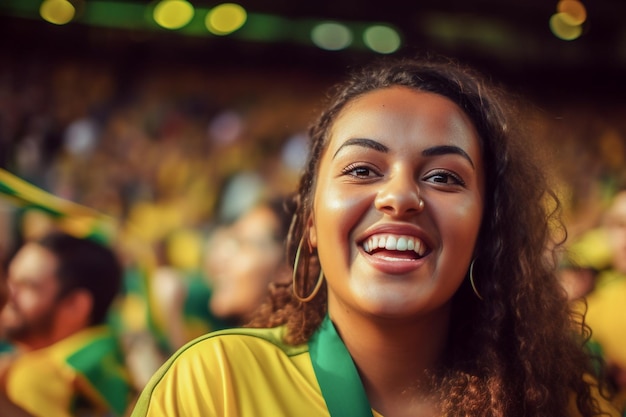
point(391, 308)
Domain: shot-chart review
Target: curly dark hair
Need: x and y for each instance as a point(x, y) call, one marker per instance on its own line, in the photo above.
point(517, 352)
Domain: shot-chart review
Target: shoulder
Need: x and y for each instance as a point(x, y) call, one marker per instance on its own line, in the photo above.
point(94, 347)
point(211, 353)
point(273, 336)
point(88, 345)
point(218, 346)
point(226, 369)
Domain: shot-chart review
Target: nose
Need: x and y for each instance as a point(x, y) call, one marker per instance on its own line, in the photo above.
point(399, 196)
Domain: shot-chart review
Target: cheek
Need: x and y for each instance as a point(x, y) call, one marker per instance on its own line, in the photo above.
point(248, 268)
point(465, 225)
point(336, 213)
point(30, 303)
point(259, 266)
point(471, 218)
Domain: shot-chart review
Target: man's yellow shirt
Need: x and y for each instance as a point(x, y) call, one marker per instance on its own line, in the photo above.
point(82, 372)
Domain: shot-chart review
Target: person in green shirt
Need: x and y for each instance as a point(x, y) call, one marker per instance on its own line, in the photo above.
point(67, 361)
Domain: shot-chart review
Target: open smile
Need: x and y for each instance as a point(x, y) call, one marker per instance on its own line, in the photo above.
point(395, 254)
point(395, 247)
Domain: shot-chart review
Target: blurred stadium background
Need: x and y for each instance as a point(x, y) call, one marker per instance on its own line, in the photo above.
point(171, 114)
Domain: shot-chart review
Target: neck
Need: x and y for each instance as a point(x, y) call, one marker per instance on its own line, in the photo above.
point(40, 341)
point(393, 357)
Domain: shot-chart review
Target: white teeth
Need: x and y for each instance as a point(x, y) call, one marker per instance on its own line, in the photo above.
point(392, 242)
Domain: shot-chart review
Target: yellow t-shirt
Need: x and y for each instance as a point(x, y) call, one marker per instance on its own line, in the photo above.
point(241, 373)
point(83, 372)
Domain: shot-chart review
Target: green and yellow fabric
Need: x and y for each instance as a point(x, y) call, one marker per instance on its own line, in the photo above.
point(71, 217)
point(251, 372)
point(248, 372)
point(83, 373)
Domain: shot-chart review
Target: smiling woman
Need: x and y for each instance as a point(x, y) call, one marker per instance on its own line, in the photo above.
point(422, 285)
point(393, 187)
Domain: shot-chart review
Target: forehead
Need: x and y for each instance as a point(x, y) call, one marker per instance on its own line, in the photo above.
point(258, 221)
point(33, 262)
point(397, 110)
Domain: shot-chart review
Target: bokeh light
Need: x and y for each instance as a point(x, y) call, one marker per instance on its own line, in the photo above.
point(382, 39)
point(295, 151)
point(562, 29)
point(331, 36)
point(225, 18)
point(173, 14)
point(58, 12)
point(574, 12)
point(226, 127)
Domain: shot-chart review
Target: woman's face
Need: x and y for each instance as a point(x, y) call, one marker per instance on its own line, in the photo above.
point(387, 150)
point(244, 260)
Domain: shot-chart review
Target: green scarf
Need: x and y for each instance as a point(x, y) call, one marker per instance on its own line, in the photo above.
point(335, 371)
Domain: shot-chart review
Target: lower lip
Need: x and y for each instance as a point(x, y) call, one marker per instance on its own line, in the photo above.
point(393, 266)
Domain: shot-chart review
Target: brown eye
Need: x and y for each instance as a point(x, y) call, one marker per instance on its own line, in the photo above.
point(360, 171)
point(444, 177)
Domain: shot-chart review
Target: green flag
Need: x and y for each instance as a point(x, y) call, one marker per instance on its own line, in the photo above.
point(73, 218)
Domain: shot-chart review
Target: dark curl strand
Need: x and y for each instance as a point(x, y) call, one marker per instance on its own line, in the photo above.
point(514, 353)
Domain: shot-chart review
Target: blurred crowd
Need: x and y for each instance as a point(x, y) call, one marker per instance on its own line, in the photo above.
point(190, 170)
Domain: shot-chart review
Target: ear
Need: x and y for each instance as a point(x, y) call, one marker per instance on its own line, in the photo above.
point(312, 232)
point(78, 305)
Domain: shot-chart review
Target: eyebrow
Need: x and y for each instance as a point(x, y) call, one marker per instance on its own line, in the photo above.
point(433, 151)
point(366, 143)
point(447, 149)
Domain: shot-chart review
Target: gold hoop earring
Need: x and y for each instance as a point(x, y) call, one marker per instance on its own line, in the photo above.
point(318, 285)
point(471, 278)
